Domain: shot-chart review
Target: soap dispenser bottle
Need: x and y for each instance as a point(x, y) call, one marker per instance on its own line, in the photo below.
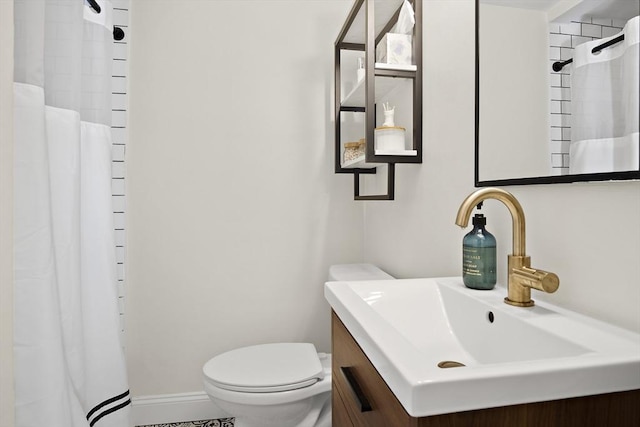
point(479, 256)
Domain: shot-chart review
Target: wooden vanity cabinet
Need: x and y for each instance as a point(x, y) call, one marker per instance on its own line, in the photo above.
point(365, 388)
point(361, 398)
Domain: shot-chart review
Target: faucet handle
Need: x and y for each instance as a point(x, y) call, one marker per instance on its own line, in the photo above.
point(537, 279)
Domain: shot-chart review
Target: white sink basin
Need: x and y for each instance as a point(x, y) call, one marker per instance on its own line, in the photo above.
point(510, 354)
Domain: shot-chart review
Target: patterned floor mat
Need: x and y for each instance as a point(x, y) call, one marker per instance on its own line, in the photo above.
point(223, 422)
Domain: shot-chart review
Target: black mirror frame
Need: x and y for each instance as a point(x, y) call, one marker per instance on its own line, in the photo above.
point(552, 179)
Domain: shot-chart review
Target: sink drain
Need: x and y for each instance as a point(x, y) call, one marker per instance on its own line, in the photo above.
point(449, 364)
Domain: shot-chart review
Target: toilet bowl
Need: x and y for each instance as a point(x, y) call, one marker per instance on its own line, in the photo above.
point(279, 384)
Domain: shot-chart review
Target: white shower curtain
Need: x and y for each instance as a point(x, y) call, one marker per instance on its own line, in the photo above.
point(604, 99)
point(69, 363)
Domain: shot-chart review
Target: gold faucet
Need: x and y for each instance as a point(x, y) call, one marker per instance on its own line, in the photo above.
point(521, 277)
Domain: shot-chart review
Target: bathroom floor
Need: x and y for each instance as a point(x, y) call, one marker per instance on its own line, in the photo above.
point(222, 422)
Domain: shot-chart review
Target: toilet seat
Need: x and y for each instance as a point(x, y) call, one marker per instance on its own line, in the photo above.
point(266, 368)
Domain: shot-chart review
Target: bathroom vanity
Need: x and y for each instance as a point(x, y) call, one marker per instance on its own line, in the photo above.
point(362, 398)
point(431, 352)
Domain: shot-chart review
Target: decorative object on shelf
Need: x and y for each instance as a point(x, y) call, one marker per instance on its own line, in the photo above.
point(360, 70)
point(389, 137)
point(395, 46)
point(389, 112)
point(394, 49)
point(353, 150)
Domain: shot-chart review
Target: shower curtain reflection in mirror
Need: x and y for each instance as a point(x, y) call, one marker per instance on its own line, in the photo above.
point(69, 363)
point(604, 89)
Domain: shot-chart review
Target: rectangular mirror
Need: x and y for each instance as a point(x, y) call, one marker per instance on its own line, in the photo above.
point(579, 122)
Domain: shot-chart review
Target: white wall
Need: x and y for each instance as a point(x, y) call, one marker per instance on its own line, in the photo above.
point(6, 213)
point(589, 234)
point(233, 211)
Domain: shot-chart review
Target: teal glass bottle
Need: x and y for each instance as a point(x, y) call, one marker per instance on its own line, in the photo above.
point(479, 256)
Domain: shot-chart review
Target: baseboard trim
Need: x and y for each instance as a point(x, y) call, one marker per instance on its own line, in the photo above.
point(172, 408)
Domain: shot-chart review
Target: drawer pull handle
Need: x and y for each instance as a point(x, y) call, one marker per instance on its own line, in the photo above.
point(359, 396)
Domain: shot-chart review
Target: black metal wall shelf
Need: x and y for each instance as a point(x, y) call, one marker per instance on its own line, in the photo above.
point(357, 96)
point(366, 25)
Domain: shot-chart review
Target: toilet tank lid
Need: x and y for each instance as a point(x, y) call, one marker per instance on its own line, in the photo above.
point(277, 366)
point(346, 272)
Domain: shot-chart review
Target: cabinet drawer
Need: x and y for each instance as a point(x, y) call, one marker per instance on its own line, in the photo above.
point(367, 398)
point(339, 413)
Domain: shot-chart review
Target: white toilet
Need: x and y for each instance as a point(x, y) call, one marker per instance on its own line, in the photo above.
point(281, 384)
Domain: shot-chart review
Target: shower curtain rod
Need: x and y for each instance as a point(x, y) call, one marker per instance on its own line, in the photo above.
point(94, 5)
point(118, 33)
point(557, 66)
